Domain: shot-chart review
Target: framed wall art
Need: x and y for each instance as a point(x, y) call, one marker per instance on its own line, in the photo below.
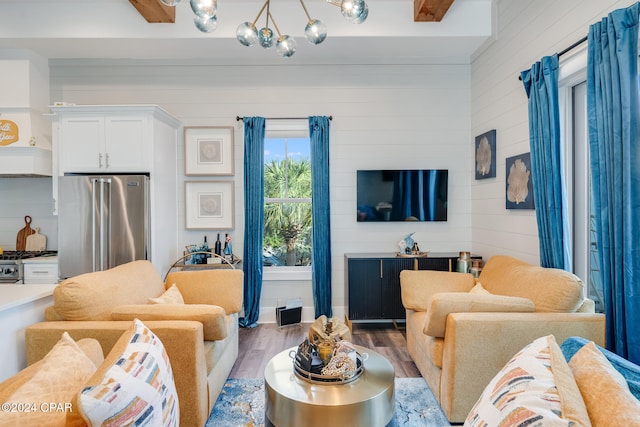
point(208, 205)
point(486, 155)
point(519, 193)
point(208, 150)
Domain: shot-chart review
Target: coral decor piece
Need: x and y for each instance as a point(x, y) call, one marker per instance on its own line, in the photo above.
point(519, 182)
point(486, 155)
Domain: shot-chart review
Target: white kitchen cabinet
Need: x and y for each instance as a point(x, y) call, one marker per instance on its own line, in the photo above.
point(40, 270)
point(124, 139)
point(105, 143)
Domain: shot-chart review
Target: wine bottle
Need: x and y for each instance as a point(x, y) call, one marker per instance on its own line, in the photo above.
point(218, 246)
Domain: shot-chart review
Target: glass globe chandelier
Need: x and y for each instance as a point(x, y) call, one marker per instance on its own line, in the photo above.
point(247, 34)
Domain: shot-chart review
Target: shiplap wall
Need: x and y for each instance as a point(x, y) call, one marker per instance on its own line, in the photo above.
point(527, 30)
point(383, 117)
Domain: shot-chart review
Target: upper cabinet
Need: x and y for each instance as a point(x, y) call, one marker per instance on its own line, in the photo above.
point(105, 143)
point(97, 141)
point(113, 139)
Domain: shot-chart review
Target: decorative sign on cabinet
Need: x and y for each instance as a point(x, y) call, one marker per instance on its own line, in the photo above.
point(373, 282)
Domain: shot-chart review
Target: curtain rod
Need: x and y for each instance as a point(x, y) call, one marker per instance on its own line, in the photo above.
point(238, 118)
point(568, 49)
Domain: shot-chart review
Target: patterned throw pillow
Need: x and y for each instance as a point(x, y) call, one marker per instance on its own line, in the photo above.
point(535, 388)
point(137, 390)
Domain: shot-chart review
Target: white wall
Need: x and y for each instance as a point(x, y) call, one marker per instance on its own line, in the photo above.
point(383, 117)
point(527, 30)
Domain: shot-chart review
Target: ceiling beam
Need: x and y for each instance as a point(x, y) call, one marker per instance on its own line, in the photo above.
point(430, 10)
point(155, 11)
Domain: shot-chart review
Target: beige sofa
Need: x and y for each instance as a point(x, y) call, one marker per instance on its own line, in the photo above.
point(200, 336)
point(460, 335)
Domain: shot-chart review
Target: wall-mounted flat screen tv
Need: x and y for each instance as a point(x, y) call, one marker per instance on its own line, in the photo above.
point(402, 195)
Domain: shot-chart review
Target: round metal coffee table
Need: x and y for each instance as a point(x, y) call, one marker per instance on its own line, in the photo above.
point(293, 402)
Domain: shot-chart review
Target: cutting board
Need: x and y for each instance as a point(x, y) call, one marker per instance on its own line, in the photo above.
point(21, 240)
point(36, 241)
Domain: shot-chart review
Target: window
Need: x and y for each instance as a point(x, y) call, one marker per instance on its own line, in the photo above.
point(573, 105)
point(287, 198)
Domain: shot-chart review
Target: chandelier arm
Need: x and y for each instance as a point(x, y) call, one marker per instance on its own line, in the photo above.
point(275, 25)
point(334, 2)
point(306, 12)
point(268, 13)
point(266, 3)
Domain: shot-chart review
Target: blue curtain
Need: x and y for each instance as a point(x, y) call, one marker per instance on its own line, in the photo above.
point(320, 207)
point(253, 218)
point(547, 174)
point(612, 112)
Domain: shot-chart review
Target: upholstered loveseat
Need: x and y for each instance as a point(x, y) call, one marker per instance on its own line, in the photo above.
point(200, 336)
point(460, 334)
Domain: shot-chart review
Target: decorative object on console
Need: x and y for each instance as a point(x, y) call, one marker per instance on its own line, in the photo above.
point(208, 150)
point(486, 155)
point(209, 205)
point(247, 34)
point(464, 262)
point(519, 193)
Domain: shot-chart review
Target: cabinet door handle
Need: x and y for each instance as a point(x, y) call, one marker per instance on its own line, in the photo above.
point(381, 275)
point(100, 160)
point(107, 160)
point(39, 272)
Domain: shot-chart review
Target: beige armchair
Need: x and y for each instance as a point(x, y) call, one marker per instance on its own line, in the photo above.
point(200, 336)
point(460, 334)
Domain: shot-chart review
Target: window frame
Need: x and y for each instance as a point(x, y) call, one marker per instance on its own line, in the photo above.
point(286, 129)
point(572, 73)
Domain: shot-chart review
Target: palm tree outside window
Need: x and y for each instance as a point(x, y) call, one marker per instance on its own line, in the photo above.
point(287, 202)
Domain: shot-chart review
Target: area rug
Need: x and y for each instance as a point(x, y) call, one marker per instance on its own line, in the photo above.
point(241, 404)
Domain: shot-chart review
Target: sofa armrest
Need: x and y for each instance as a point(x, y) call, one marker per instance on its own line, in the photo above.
point(478, 345)
point(221, 287)
point(183, 341)
point(211, 316)
point(418, 286)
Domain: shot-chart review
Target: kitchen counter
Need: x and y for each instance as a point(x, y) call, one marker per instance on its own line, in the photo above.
point(41, 260)
point(20, 307)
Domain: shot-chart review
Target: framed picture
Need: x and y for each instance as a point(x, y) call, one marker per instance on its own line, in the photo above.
point(209, 205)
point(208, 150)
point(519, 194)
point(486, 155)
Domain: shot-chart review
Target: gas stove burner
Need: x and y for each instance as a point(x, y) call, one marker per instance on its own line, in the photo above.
point(17, 255)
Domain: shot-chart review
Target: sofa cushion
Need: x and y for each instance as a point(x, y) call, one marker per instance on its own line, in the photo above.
point(170, 296)
point(134, 385)
point(212, 317)
point(550, 289)
point(92, 296)
point(535, 386)
point(604, 390)
point(54, 380)
point(445, 303)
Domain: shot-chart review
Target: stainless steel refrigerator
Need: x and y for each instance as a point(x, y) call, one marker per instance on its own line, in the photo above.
point(103, 221)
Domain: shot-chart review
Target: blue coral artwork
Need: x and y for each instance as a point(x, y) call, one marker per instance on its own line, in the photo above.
point(519, 191)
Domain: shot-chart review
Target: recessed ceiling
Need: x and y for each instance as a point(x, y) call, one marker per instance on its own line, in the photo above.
point(113, 29)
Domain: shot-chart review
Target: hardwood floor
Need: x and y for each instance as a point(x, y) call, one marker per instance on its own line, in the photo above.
point(258, 345)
